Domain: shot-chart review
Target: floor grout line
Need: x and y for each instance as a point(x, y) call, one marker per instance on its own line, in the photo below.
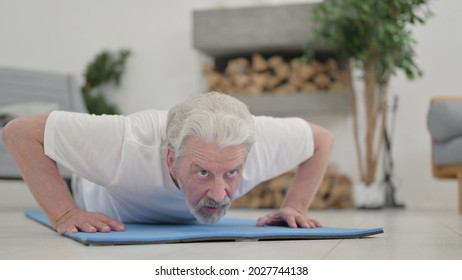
point(332, 249)
point(449, 227)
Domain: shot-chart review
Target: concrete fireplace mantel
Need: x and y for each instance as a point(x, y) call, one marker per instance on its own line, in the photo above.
point(224, 34)
point(263, 29)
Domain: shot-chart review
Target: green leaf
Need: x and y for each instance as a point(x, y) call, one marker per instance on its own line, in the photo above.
point(106, 68)
point(367, 29)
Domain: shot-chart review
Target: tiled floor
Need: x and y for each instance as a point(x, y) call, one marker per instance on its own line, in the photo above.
point(409, 234)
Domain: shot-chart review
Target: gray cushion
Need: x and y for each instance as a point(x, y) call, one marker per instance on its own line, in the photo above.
point(448, 152)
point(444, 120)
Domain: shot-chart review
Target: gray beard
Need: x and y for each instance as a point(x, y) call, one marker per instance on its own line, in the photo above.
point(201, 215)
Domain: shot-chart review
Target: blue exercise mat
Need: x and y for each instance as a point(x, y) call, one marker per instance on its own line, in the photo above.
point(228, 229)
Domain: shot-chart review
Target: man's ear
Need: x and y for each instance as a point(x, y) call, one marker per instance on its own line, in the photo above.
point(171, 163)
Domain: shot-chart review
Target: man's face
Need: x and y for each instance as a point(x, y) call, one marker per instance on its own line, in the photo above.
point(208, 176)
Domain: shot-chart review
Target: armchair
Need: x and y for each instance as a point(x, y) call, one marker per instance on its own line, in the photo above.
point(444, 122)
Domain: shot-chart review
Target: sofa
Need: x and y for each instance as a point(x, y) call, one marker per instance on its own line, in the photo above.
point(26, 92)
point(444, 123)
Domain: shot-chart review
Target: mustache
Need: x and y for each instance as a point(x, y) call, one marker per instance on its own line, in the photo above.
point(210, 202)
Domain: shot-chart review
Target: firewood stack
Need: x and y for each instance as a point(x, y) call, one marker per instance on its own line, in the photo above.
point(335, 192)
point(269, 194)
point(275, 75)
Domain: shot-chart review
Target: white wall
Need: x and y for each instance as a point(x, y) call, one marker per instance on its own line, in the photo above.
point(439, 55)
point(63, 36)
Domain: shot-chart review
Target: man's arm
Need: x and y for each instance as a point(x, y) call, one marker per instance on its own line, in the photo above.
point(24, 138)
point(306, 182)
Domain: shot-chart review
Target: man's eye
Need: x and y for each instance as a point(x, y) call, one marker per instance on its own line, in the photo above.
point(203, 173)
point(232, 173)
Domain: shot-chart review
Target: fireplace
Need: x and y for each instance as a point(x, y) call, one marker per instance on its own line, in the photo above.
point(256, 57)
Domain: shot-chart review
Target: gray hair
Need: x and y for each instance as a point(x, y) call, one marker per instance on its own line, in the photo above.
point(213, 117)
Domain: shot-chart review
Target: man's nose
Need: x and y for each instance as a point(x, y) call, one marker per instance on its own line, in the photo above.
point(218, 191)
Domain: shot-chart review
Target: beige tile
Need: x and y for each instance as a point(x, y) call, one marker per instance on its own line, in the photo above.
point(15, 195)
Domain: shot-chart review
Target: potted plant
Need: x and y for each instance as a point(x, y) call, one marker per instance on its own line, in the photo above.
point(374, 39)
point(106, 68)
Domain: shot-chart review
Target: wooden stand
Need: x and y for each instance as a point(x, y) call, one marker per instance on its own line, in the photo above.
point(451, 172)
point(459, 178)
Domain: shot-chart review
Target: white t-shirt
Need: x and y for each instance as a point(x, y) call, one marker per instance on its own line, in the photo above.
point(122, 161)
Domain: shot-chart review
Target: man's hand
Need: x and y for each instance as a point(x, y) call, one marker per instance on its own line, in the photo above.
point(24, 138)
point(289, 216)
point(77, 219)
point(304, 186)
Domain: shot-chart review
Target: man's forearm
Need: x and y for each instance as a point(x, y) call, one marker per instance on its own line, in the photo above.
point(310, 173)
point(49, 189)
point(24, 139)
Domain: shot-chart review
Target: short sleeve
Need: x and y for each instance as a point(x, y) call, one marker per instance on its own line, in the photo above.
point(281, 145)
point(88, 145)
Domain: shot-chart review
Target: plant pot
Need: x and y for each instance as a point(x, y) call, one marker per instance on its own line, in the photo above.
point(368, 196)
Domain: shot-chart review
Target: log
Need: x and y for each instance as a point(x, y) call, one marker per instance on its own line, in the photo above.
point(258, 63)
point(214, 80)
point(253, 89)
point(207, 68)
point(259, 79)
point(225, 86)
point(309, 87)
point(306, 72)
point(318, 67)
point(331, 65)
point(272, 83)
point(255, 196)
point(240, 81)
point(237, 66)
point(285, 88)
point(295, 80)
point(321, 80)
point(337, 86)
point(282, 71)
point(275, 61)
point(282, 182)
point(341, 193)
point(278, 199)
